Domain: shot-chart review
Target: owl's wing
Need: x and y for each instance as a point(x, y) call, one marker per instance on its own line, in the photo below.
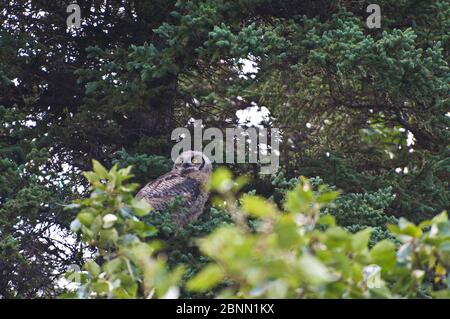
point(164, 189)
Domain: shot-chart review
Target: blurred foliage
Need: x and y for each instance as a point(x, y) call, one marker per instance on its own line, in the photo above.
point(298, 252)
point(353, 211)
point(125, 265)
point(289, 256)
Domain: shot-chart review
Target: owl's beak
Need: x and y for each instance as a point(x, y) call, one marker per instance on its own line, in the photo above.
point(186, 165)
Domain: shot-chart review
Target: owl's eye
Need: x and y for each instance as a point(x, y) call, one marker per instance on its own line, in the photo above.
point(196, 160)
point(178, 161)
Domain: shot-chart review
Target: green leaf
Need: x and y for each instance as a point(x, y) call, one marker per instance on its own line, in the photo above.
point(101, 287)
point(109, 235)
point(327, 220)
point(85, 218)
point(206, 279)
point(337, 237)
point(240, 182)
point(327, 197)
point(141, 208)
point(221, 180)
point(404, 252)
point(299, 200)
point(142, 229)
point(360, 240)
point(257, 206)
point(287, 232)
point(92, 267)
point(99, 169)
point(92, 177)
point(441, 218)
point(126, 212)
point(113, 265)
point(384, 255)
point(406, 228)
point(441, 294)
point(313, 270)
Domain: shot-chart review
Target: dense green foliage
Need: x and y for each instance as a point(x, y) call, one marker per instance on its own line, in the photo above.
point(299, 253)
point(109, 221)
point(363, 111)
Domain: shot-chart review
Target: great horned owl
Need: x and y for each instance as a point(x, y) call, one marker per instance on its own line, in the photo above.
point(187, 179)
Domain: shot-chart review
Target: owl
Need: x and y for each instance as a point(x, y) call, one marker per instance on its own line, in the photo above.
point(187, 179)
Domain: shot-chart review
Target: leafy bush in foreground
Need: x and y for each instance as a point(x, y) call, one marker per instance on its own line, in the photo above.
point(125, 265)
point(296, 253)
point(353, 211)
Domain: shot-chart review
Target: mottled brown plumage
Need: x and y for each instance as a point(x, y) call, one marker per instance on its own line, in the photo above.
point(187, 178)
